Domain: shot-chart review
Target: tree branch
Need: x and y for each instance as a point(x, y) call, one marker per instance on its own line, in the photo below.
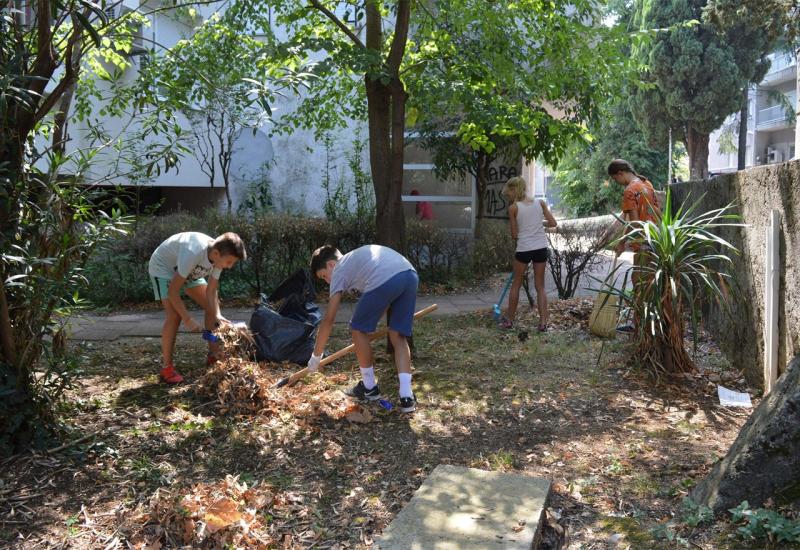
point(338, 22)
point(70, 74)
point(400, 37)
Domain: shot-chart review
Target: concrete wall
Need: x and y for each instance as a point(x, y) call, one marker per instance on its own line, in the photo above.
point(756, 192)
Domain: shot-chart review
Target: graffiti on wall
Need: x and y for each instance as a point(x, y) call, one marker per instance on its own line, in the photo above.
point(495, 204)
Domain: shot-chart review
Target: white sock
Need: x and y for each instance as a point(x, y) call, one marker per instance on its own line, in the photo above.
point(405, 384)
point(368, 376)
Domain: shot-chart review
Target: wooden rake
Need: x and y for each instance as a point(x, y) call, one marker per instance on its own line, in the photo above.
point(294, 378)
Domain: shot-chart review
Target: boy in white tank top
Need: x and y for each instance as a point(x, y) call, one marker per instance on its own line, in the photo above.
point(528, 219)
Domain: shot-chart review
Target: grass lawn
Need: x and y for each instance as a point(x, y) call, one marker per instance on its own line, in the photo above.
point(622, 451)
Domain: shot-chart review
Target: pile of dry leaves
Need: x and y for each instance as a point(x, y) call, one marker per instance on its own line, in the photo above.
point(239, 386)
point(564, 314)
point(220, 515)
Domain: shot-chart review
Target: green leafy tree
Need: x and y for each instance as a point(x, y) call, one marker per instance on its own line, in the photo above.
point(694, 77)
point(581, 176)
point(52, 214)
point(220, 79)
point(509, 83)
point(501, 72)
point(360, 49)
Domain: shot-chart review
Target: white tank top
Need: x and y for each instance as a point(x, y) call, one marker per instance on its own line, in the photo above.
point(530, 231)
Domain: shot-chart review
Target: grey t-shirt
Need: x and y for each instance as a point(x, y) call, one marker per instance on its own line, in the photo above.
point(186, 254)
point(366, 268)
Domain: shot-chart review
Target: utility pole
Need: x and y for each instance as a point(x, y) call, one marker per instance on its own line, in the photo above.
point(669, 158)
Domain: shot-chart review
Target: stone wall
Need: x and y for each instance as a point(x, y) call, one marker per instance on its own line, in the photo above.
point(755, 192)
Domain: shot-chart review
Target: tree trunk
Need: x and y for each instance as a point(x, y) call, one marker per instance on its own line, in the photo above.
point(386, 113)
point(741, 162)
point(697, 147)
point(764, 461)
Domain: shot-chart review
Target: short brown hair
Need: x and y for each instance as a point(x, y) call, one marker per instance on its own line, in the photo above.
point(620, 165)
point(230, 244)
point(321, 256)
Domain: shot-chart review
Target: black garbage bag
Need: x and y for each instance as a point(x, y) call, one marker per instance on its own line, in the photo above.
point(286, 332)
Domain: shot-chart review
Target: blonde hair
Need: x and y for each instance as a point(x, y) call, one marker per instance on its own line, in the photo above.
point(515, 189)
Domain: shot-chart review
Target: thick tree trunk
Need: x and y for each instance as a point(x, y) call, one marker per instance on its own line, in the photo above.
point(741, 162)
point(764, 461)
point(380, 160)
point(697, 147)
point(386, 113)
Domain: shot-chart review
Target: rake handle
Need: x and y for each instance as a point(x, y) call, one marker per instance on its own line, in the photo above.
point(294, 378)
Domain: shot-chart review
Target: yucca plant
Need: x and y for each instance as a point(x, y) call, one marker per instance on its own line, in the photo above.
point(683, 263)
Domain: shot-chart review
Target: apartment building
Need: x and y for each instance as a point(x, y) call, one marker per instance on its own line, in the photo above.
point(770, 125)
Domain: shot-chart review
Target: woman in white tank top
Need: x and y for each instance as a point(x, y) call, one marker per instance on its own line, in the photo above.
point(528, 217)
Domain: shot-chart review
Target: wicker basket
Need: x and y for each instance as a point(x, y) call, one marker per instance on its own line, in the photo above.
point(605, 315)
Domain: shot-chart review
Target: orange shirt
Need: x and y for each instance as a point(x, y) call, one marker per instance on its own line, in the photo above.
point(640, 196)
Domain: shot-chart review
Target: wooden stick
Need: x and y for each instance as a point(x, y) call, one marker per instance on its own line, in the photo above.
point(293, 379)
point(71, 443)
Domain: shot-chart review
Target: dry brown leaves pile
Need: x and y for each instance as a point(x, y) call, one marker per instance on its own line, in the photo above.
point(219, 515)
point(243, 387)
point(564, 314)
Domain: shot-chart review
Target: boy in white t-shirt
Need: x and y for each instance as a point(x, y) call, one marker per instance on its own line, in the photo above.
point(385, 279)
point(181, 264)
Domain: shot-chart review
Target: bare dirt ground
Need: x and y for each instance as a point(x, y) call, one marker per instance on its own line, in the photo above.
point(224, 460)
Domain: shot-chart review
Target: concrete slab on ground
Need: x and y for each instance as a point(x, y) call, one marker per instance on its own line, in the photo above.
point(459, 508)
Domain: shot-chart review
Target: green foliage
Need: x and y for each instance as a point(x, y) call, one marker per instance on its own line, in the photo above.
point(501, 76)
point(436, 253)
point(277, 245)
point(221, 79)
point(347, 193)
point(693, 514)
point(58, 226)
point(775, 18)
point(761, 523)
point(694, 76)
point(493, 251)
point(509, 83)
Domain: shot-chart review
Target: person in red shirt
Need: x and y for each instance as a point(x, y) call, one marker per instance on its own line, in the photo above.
point(424, 208)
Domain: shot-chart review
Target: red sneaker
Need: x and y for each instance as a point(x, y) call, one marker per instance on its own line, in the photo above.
point(170, 375)
point(210, 359)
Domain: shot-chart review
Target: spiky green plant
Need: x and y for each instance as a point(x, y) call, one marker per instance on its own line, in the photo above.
point(684, 262)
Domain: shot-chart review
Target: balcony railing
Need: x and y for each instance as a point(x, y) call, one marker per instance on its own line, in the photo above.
point(780, 62)
point(772, 116)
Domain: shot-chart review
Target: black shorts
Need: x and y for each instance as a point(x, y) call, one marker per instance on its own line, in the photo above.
point(538, 256)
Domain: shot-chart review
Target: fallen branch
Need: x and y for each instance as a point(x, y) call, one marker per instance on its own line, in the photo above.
point(71, 443)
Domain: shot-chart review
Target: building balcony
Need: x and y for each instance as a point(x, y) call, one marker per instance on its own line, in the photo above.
point(773, 118)
point(782, 69)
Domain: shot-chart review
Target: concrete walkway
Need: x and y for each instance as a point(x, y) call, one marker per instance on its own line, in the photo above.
point(126, 325)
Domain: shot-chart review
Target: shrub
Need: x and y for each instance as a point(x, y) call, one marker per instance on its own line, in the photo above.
point(493, 251)
point(683, 264)
point(118, 273)
point(277, 245)
point(435, 252)
point(574, 249)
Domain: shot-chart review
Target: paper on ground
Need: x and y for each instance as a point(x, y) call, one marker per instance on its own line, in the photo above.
point(730, 398)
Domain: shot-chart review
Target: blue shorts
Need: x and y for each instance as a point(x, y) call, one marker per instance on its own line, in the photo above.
point(399, 293)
